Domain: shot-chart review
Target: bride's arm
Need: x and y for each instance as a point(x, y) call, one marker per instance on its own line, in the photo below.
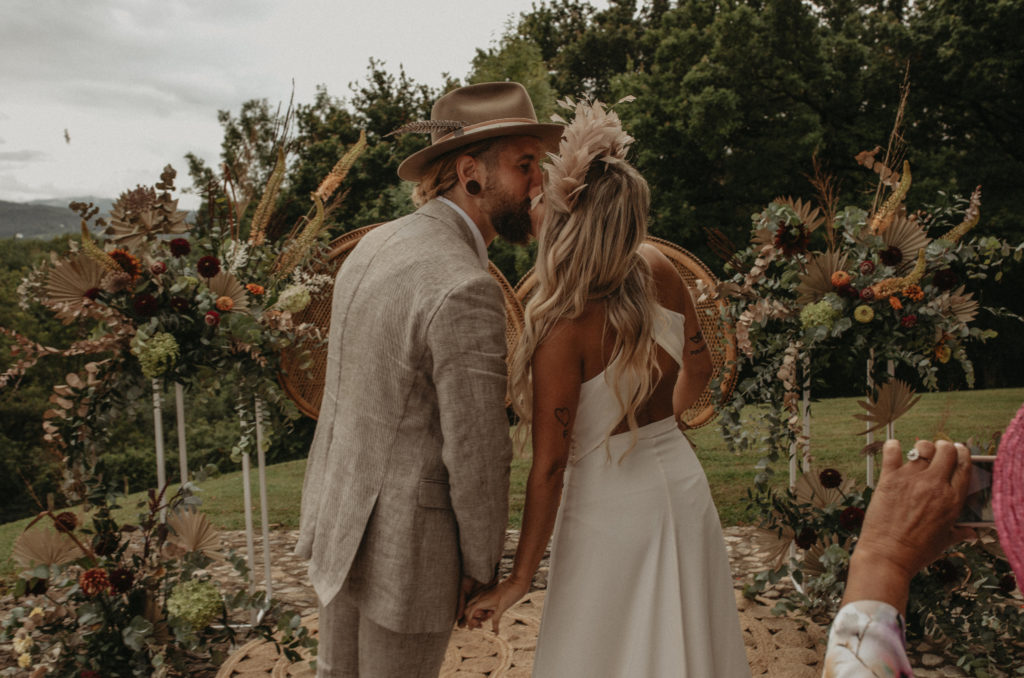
point(557, 375)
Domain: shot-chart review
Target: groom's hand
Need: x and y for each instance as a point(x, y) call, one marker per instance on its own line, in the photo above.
point(467, 588)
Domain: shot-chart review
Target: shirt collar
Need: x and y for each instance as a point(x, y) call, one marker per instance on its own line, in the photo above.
point(481, 247)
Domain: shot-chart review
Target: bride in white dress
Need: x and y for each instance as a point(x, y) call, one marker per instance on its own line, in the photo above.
point(611, 355)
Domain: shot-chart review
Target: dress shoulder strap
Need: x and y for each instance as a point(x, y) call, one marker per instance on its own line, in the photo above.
point(670, 332)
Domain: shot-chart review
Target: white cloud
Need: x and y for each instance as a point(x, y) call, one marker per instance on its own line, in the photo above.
point(138, 83)
point(23, 156)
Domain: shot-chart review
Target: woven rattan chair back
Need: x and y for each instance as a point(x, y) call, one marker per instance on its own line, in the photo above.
point(306, 386)
point(720, 337)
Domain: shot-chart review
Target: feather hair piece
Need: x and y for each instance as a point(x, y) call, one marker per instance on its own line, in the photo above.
point(595, 133)
point(429, 127)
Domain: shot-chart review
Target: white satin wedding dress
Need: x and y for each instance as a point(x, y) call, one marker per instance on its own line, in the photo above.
point(639, 585)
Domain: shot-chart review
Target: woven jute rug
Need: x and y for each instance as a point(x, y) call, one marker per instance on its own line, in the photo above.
point(788, 647)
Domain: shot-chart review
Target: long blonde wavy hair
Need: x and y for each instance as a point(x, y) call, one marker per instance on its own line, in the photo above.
point(590, 254)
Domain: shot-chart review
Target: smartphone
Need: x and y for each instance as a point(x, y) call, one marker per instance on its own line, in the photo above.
point(977, 511)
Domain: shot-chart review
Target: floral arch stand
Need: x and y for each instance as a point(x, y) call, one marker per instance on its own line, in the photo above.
point(261, 464)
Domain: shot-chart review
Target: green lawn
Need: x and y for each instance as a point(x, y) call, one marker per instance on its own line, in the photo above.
point(834, 443)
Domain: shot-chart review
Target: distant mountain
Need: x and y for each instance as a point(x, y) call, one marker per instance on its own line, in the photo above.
point(103, 203)
point(23, 220)
point(44, 218)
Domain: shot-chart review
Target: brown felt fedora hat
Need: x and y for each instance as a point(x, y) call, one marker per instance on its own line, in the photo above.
point(474, 113)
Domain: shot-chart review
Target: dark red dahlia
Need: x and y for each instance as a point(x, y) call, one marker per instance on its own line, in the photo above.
point(180, 304)
point(806, 538)
point(91, 293)
point(212, 318)
point(851, 518)
point(867, 294)
point(180, 247)
point(159, 268)
point(867, 267)
point(145, 305)
point(1007, 583)
point(121, 579)
point(908, 320)
point(830, 478)
point(945, 571)
point(208, 266)
point(946, 279)
point(66, 521)
point(848, 291)
point(891, 256)
point(791, 238)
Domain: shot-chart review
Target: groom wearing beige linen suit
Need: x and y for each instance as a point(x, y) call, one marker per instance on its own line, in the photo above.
point(405, 500)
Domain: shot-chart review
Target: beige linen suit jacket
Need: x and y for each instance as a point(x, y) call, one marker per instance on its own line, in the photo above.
point(406, 485)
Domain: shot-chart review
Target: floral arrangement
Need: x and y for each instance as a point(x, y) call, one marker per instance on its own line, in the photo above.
point(110, 599)
point(157, 298)
point(190, 303)
point(818, 285)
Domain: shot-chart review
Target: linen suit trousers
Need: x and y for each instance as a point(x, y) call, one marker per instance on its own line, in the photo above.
point(352, 646)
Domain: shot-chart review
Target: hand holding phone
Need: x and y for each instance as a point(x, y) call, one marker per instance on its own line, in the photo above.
point(977, 511)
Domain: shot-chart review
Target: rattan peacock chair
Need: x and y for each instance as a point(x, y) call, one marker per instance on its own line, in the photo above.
point(720, 337)
point(306, 386)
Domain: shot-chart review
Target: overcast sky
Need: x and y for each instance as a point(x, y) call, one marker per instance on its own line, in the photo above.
point(137, 83)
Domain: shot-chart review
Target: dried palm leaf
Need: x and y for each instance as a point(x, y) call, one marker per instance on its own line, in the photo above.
point(809, 215)
point(812, 557)
point(908, 236)
point(193, 531)
point(763, 237)
point(226, 285)
point(816, 282)
point(69, 281)
point(773, 546)
point(958, 304)
point(895, 398)
point(43, 546)
point(140, 214)
point(809, 489)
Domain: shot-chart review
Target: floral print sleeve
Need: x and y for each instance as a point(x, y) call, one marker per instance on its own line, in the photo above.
point(867, 639)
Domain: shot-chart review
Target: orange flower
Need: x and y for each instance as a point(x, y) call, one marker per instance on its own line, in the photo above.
point(913, 292)
point(224, 304)
point(896, 303)
point(840, 278)
point(943, 353)
point(255, 289)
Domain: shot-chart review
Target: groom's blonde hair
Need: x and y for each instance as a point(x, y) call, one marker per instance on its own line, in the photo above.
point(592, 254)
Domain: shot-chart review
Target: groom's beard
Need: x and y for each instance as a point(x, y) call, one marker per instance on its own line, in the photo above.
point(511, 219)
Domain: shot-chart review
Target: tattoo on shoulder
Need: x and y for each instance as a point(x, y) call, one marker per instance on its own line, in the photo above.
point(698, 351)
point(698, 337)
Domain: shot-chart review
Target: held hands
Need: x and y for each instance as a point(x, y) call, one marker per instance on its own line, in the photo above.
point(493, 602)
point(910, 520)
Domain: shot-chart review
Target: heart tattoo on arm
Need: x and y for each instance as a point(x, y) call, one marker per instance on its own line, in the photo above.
point(562, 416)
